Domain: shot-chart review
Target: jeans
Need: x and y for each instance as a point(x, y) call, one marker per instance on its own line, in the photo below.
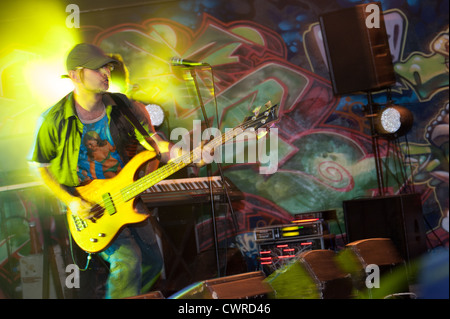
point(135, 262)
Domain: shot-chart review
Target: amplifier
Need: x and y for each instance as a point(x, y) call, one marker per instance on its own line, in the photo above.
point(288, 231)
point(279, 245)
point(273, 256)
point(325, 215)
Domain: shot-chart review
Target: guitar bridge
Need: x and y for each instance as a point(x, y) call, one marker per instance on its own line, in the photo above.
point(79, 223)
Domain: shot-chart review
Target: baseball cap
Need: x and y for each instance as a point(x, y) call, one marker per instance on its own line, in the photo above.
point(87, 56)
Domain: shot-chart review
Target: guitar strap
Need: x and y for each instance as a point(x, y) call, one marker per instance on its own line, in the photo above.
point(124, 109)
point(129, 115)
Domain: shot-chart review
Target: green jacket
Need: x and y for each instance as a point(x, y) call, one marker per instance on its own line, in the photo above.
point(59, 131)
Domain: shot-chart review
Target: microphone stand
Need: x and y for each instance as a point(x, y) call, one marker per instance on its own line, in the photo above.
point(213, 211)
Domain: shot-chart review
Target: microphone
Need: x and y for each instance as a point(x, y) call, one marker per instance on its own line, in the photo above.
point(185, 62)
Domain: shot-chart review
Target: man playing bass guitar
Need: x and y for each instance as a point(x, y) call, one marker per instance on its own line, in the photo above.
point(86, 137)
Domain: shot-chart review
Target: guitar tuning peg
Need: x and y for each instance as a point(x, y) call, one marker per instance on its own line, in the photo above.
point(268, 105)
point(256, 110)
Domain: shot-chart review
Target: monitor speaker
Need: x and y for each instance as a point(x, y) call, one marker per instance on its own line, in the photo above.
point(242, 286)
point(150, 295)
point(358, 53)
point(359, 257)
point(315, 275)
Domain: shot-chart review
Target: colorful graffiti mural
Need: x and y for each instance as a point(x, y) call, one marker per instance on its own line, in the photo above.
point(272, 50)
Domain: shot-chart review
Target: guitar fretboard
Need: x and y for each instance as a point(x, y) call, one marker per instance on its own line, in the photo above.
point(175, 165)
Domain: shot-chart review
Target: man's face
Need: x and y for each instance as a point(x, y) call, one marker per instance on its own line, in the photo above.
point(96, 81)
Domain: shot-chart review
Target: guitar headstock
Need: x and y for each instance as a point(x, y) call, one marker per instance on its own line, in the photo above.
point(262, 118)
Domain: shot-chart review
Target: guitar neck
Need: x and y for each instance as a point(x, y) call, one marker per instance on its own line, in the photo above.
point(139, 186)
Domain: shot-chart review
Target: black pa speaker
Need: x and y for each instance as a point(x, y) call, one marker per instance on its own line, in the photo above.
point(396, 217)
point(357, 50)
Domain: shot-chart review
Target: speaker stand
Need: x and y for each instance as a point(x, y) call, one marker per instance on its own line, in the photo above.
point(372, 111)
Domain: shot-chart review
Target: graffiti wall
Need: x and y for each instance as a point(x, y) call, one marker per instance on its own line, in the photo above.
point(259, 51)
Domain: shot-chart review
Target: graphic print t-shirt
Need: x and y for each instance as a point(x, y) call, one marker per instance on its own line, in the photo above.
point(98, 158)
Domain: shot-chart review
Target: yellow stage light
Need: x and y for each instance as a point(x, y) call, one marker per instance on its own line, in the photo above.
point(38, 29)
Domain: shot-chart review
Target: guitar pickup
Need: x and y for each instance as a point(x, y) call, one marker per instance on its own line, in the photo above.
point(109, 204)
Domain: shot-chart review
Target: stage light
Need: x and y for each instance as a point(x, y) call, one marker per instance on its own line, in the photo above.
point(38, 31)
point(44, 81)
point(156, 114)
point(394, 121)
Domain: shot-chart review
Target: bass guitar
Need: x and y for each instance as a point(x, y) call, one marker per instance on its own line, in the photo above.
point(113, 199)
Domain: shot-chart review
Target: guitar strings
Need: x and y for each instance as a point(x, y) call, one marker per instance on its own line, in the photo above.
point(177, 164)
point(160, 174)
point(167, 170)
